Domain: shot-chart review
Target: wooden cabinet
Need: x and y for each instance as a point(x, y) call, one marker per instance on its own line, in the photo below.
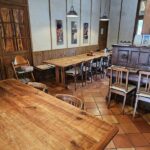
point(130, 56)
point(14, 33)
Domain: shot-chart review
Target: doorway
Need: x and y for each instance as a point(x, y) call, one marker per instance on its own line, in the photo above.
point(103, 30)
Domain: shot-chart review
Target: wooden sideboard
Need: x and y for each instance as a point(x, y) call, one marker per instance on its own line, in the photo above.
point(131, 56)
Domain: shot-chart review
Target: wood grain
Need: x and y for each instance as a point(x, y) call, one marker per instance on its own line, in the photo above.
point(31, 119)
point(68, 61)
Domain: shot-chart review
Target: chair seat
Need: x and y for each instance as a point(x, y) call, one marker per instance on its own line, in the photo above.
point(38, 85)
point(143, 94)
point(72, 71)
point(123, 87)
point(98, 64)
point(85, 68)
point(27, 68)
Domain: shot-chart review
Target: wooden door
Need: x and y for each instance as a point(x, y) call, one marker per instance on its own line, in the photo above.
point(103, 29)
point(14, 34)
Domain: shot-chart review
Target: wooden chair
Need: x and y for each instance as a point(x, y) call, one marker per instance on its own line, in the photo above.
point(75, 72)
point(22, 66)
point(117, 85)
point(71, 100)
point(17, 65)
point(143, 90)
point(87, 70)
point(97, 67)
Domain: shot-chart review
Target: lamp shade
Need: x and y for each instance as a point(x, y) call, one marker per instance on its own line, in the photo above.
point(104, 18)
point(72, 12)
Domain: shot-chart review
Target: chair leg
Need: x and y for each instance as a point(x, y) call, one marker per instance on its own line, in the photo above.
point(75, 82)
point(91, 76)
point(82, 78)
point(135, 107)
point(109, 98)
point(96, 70)
point(124, 102)
point(85, 76)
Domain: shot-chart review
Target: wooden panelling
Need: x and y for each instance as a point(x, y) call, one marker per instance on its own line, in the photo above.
point(144, 58)
point(134, 57)
point(39, 57)
point(17, 2)
point(20, 36)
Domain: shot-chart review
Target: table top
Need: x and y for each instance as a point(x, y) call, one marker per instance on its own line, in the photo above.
point(131, 70)
point(31, 119)
point(68, 61)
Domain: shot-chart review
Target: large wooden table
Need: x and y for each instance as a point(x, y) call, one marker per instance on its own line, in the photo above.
point(62, 63)
point(31, 119)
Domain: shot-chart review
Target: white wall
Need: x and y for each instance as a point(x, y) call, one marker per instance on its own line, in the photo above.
point(58, 12)
point(122, 21)
point(114, 21)
point(95, 22)
point(127, 22)
point(76, 4)
point(40, 24)
point(43, 16)
point(85, 18)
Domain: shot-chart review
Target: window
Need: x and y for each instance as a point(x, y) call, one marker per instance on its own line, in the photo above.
point(140, 16)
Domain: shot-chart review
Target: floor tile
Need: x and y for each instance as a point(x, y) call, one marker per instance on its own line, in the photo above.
point(116, 110)
point(138, 139)
point(142, 126)
point(99, 99)
point(147, 118)
point(143, 148)
point(110, 119)
point(121, 131)
point(147, 136)
point(122, 141)
point(105, 111)
point(101, 104)
point(93, 111)
point(123, 119)
point(125, 148)
point(111, 145)
point(90, 105)
point(129, 128)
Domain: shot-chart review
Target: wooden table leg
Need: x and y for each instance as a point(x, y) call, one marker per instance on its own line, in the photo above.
point(57, 74)
point(63, 76)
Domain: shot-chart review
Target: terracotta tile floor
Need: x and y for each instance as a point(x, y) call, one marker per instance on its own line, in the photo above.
point(133, 134)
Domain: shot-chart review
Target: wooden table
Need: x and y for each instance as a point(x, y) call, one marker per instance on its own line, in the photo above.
point(62, 63)
point(31, 119)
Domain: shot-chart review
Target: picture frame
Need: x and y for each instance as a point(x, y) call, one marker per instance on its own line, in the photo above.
point(59, 32)
point(146, 40)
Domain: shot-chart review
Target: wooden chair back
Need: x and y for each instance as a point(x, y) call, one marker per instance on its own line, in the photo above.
point(144, 82)
point(18, 62)
point(71, 100)
point(118, 75)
